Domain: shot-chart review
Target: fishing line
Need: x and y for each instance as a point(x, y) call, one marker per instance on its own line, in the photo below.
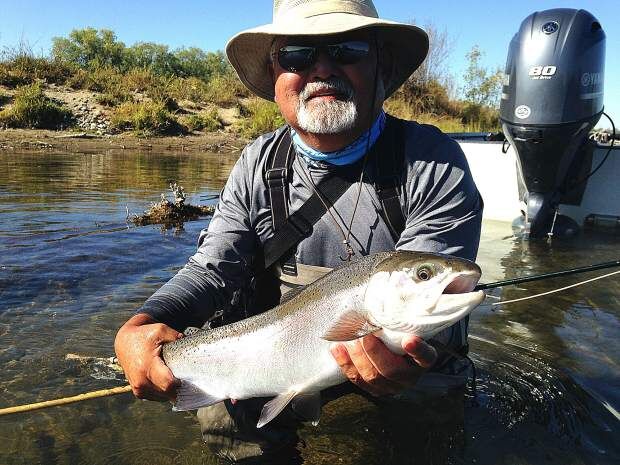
point(538, 277)
point(555, 290)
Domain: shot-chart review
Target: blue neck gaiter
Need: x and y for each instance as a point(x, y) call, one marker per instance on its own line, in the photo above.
point(347, 155)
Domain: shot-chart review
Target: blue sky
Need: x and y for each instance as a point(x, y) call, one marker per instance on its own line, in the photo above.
point(209, 23)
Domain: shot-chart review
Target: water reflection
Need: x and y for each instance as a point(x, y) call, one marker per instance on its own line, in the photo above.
point(71, 271)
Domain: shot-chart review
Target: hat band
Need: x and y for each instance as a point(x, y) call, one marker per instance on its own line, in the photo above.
point(324, 7)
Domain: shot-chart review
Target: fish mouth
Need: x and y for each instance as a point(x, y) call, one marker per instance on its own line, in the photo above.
point(463, 282)
point(460, 293)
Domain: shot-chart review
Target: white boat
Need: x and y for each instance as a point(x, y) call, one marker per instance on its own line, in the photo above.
point(495, 174)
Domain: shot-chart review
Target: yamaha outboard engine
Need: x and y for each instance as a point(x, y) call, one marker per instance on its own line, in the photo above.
point(551, 99)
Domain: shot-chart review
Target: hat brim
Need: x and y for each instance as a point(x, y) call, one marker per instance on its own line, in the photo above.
point(248, 51)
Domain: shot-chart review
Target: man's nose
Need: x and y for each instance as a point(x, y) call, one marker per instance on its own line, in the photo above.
point(324, 66)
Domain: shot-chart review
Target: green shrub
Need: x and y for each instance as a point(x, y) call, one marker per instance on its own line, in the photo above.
point(22, 68)
point(98, 80)
point(79, 79)
point(160, 91)
point(113, 98)
point(12, 76)
point(32, 109)
point(259, 116)
point(144, 118)
point(139, 80)
point(225, 90)
point(193, 89)
point(207, 120)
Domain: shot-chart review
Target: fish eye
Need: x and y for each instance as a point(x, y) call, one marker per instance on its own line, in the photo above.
point(424, 273)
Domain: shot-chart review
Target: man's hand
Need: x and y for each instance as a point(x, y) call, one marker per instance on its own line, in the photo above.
point(369, 364)
point(138, 348)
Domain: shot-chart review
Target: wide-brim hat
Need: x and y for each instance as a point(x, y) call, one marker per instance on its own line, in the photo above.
point(249, 51)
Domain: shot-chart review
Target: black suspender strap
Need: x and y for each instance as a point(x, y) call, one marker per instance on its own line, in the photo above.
point(278, 177)
point(299, 225)
point(389, 169)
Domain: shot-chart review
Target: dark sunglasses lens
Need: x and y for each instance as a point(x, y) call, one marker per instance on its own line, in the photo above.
point(296, 58)
point(348, 53)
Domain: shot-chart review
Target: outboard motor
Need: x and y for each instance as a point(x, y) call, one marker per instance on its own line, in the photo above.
point(552, 97)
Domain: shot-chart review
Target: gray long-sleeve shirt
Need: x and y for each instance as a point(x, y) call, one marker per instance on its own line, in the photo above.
point(439, 200)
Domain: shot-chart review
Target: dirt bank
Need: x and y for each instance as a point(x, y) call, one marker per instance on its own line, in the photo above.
point(42, 140)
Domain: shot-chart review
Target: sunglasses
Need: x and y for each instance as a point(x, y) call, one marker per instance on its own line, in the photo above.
point(297, 58)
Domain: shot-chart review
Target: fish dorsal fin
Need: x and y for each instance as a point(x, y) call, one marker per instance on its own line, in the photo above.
point(272, 408)
point(351, 325)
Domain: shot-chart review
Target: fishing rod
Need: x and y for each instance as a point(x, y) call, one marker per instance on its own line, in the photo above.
point(507, 282)
point(555, 274)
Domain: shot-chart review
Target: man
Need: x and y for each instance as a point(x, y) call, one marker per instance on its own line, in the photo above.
point(329, 65)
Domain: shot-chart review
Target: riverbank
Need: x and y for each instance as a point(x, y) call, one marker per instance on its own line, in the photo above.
point(86, 142)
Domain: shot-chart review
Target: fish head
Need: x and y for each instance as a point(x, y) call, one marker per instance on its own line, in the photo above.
point(421, 293)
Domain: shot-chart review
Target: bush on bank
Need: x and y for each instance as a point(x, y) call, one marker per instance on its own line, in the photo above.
point(258, 117)
point(207, 120)
point(32, 109)
point(145, 119)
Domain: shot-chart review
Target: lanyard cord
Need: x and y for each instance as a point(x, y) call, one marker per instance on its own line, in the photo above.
point(345, 236)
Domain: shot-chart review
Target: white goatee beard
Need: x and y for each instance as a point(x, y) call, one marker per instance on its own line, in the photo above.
point(327, 116)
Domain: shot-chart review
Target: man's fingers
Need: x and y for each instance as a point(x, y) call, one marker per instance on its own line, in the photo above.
point(341, 354)
point(163, 379)
point(394, 367)
point(159, 333)
point(424, 354)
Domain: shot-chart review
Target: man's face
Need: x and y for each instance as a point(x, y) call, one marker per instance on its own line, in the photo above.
point(328, 97)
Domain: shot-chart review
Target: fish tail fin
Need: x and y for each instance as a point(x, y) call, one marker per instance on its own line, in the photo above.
point(191, 397)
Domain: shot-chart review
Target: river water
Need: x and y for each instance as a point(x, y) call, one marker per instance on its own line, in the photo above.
point(72, 271)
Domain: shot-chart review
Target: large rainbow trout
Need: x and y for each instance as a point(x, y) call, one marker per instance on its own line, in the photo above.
point(284, 352)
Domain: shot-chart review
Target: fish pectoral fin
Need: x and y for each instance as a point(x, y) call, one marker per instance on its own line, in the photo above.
point(191, 397)
point(351, 325)
point(308, 406)
point(272, 408)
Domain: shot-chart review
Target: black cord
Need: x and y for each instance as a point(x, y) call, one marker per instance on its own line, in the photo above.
point(613, 138)
point(505, 146)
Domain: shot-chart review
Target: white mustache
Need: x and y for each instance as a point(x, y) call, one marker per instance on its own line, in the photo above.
point(333, 84)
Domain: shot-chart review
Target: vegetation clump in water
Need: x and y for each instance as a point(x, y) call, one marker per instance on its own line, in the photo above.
point(173, 213)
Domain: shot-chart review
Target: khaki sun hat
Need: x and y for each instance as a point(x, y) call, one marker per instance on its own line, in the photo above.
point(249, 50)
